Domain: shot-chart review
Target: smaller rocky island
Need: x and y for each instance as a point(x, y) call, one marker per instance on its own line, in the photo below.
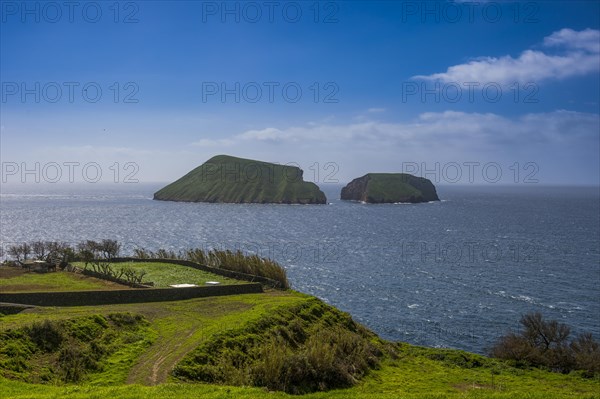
point(380, 188)
point(229, 179)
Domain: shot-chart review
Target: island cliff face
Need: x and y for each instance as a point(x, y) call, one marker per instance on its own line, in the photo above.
point(229, 179)
point(378, 188)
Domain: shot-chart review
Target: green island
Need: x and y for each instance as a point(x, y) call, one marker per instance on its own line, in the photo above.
point(378, 188)
point(276, 344)
point(229, 179)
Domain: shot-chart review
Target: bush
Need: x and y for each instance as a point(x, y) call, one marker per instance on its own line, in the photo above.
point(87, 328)
point(126, 319)
point(306, 348)
point(238, 262)
point(586, 353)
point(331, 359)
point(71, 363)
point(47, 335)
point(546, 344)
point(66, 350)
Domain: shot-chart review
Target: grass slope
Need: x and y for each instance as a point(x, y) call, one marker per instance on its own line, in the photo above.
point(179, 327)
point(298, 349)
point(177, 331)
point(59, 352)
point(237, 180)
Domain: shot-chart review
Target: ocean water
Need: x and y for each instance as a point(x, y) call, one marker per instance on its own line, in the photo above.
point(457, 273)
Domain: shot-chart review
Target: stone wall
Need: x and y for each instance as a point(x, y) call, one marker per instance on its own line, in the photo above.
point(88, 298)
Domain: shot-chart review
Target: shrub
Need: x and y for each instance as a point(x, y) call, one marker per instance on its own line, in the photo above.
point(87, 328)
point(586, 353)
point(66, 350)
point(238, 262)
point(72, 363)
point(546, 344)
point(306, 348)
point(47, 335)
point(126, 319)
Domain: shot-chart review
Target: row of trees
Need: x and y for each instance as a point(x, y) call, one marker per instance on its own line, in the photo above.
point(97, 256)
point(548, 344)
point(47, 250)
point(43, 250)
point(99, 251)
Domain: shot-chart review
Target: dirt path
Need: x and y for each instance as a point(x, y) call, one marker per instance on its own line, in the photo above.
point(181, 327)
point(154, 366)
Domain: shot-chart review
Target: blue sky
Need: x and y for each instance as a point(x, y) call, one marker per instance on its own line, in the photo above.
point(379, 82)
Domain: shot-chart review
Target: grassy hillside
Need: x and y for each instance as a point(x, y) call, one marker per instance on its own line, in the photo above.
point(237, 180)
point(177, 327)
point(177, 335)
point(298, 349)
point(390, 188)
point(66, 351)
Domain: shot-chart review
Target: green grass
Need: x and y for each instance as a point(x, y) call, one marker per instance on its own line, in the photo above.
point(303, 348)
point(140, 362)
point(54, 281)
point(252, 265)
point(383, 385)
point(399, 187)
point(390, 188)
point(69, 350)
point(176, 329)
point(179, 326)
point(165, 274)
point(236, 180)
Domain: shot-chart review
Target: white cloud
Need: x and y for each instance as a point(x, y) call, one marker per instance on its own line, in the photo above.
point(431, 135)
point(560, 142)
point(563, 143)
point(433, 129)
point(581, 56)
point(588, 39)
